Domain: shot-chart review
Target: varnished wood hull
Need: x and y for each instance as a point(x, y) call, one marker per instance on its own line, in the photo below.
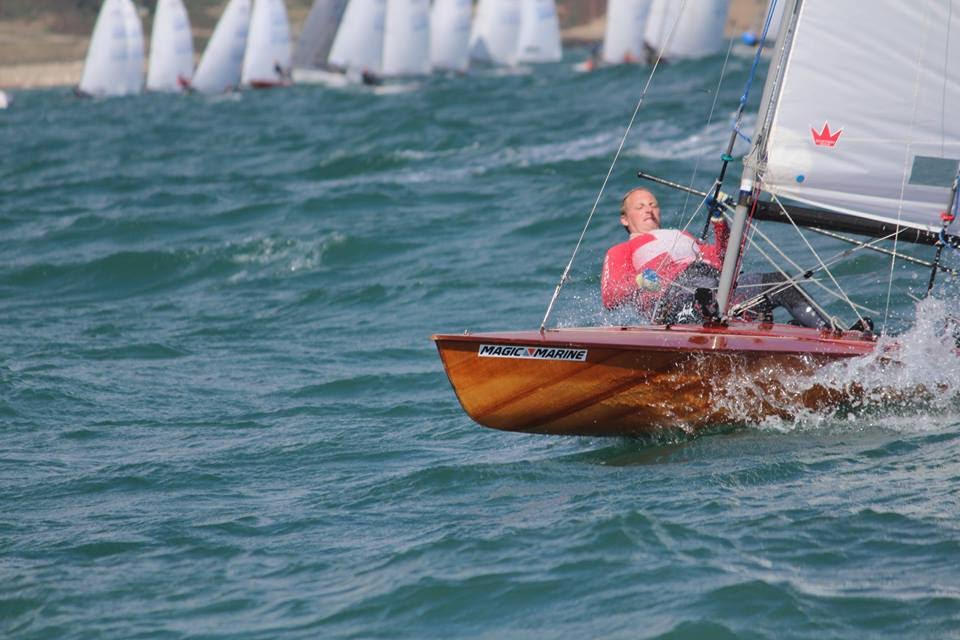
point(615, 381)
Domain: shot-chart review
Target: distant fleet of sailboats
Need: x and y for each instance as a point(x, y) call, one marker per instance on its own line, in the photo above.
point(345, 41)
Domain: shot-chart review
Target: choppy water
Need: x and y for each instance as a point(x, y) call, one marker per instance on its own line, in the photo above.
point(222, 415)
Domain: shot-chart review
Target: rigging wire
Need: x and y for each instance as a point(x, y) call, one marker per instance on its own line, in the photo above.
point(623, 140)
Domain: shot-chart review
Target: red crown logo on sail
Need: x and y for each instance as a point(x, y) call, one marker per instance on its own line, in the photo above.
point(825, 138)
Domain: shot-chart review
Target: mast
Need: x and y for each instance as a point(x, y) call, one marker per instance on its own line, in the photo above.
point(731, 259)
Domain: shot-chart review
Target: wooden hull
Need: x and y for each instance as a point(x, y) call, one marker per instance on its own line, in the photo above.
point(613, 381)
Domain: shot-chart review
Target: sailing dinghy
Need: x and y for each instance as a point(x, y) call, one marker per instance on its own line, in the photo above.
point(219, 68)
point(696, 28)
point(311, 58)
point(855, 136)
point(623, 34)
point(266, 62)
point(171, 48)
point(110, 67)
point(450, 35)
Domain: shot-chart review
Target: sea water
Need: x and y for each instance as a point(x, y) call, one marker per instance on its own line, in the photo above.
point(223, 417)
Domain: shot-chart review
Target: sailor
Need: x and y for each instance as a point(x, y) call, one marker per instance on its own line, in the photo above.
point(671, 277)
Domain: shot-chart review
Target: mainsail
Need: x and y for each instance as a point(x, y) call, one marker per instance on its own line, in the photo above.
point(623, 36)
point(406, 38)
point(105, 69)
point(319, 30)
point(171, 48)
point(698, 32)
point(539, 36)
point(219, 69)
point(496, 27)
point(267, 57)
point(358, 45)
point(859, 127)
point(449, 34)
point(134, 70)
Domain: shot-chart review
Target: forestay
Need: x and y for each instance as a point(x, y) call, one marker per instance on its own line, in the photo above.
point(450, 34)
point(861, 122)
point(698, 33)
point(623, 36)
point(406, 38)
point(539, 37)
point(171, 48)
point(219, 69)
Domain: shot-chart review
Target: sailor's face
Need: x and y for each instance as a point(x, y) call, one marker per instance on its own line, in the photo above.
point(642, 212)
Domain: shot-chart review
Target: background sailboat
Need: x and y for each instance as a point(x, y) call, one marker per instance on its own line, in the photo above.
point(106, 69)
point(539, 37)
point(450, 35)
point(266, 62)
point(134, 70)
point(623, 35)
point(358, 45)
point(219, 68)
point(495, 32)
point(171, 48)
point(698, 32)
point(406, 38)
point(311, 56)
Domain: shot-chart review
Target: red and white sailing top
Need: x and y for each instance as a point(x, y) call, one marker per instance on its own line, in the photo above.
point(642, 268)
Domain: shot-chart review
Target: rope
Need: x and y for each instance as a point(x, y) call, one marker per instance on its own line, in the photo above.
point(816, 255)
point(623, 140)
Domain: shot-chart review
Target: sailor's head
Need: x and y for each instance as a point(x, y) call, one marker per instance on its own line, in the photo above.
point(639, 211)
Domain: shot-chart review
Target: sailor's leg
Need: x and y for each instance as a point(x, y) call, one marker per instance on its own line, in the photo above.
point(790, 298)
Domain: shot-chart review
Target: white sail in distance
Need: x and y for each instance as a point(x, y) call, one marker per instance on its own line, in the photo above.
point(623, 35)
point(134, 72)
point(171, 48)
point(106, 68)
point(862, 124)
point(219, 68)
point(538, 39)
point(406, 38)
point(313, 46)
point(698, 32)
point(266, 61)
point(358, 45)
point(495, 30)
point(450, 34)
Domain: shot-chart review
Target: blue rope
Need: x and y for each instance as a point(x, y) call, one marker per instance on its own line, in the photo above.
point(756, 58)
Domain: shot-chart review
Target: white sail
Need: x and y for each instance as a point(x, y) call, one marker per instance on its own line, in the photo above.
point(863, 123)
point(171, 48)
point(313, 47)
point(134, 71)
point(496, 27)
point(450, 34)
point(358, 45)
point(105, 69)
point(219, 69)
point(539, 37)
point(623, 37)
point(698, 32)
point(406, 38)
point(267, 57)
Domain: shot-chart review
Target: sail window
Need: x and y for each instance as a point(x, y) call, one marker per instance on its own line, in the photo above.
point(929, 171)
